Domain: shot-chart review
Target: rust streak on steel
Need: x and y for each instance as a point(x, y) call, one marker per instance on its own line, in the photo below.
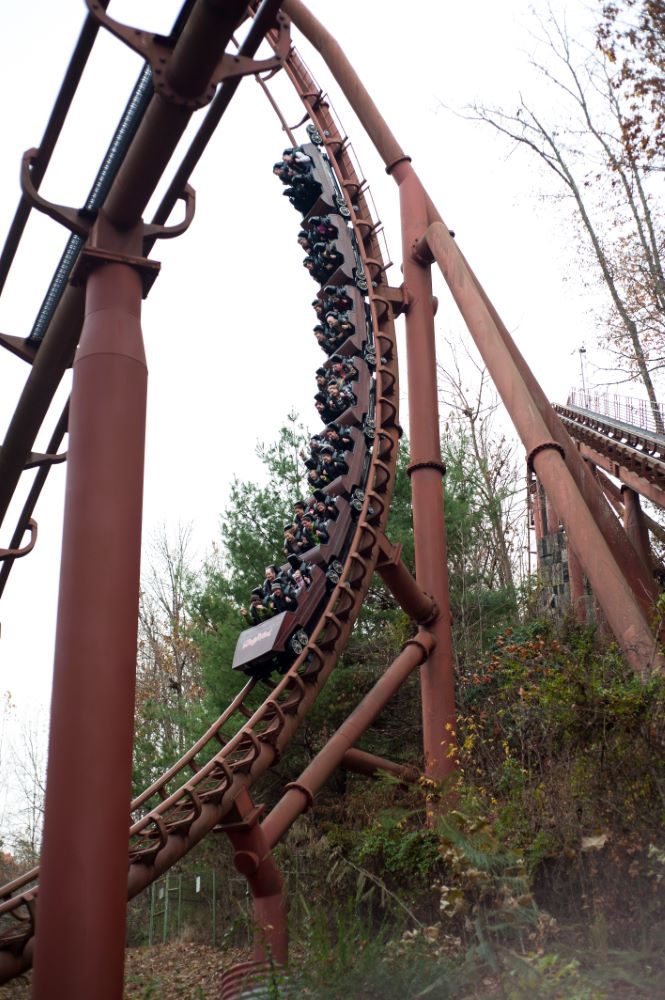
point(623, 612)
point(300, 796)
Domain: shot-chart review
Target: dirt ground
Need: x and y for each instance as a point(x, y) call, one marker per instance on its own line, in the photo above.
point(177, 971)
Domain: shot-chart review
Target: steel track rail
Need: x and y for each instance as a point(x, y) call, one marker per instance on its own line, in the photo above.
point(631, 434)
point(68, 88)
point(171, 820)
point(626, 447)
point(140, 171)
point(211, 120)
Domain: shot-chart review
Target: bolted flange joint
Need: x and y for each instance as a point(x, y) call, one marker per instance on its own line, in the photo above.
point(440, 466)
point(105, 243)
point(543, 446)
point(157, 50)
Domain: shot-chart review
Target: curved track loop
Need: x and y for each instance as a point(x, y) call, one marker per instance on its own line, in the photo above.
point(187, 802)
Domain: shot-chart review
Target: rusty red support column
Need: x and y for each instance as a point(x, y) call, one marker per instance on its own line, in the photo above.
point(576, 583)
point(551, 515)
point(624, 614)
point(299, 795)
point(79, 952)
point(393, 156)
point(635, 525)
point(417, 604)
point(539, 527)
point(426, 470)
point(253, 859)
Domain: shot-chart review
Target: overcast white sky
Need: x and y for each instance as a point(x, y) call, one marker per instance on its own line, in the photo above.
point(227, 324)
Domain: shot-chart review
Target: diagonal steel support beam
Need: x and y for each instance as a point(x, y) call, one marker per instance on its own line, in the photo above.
point(638, 483)
point(615, 496)
point(300, 794)
point(411, 597)
point(394, 157)
point(372, 766)
point(624, 614)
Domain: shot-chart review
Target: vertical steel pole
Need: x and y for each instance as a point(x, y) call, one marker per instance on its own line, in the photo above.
point(576, 582)
point(83, 881)
point(426, 470)
point(538, 526)
point(635, 525)
point(551, 516)
point(254, 860)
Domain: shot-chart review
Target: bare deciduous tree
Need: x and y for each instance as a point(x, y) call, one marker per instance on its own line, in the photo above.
point(168, 674)
point(485, 505)
point(23, 781)
point(587, 145)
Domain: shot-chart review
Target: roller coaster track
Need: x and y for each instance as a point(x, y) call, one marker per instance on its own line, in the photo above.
point(632, 454)
point(192, 798)
point(210, 788)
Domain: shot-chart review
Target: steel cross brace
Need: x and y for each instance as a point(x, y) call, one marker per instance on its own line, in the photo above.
point(157, 50)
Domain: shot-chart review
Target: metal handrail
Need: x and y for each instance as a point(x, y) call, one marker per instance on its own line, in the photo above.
point(626, 409)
